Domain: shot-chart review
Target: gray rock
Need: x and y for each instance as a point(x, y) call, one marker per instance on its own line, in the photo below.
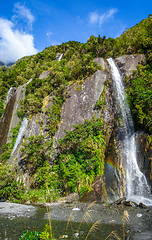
point(57, 56)
point(128, 63)
point(100, 61)
point(141, 205)
point(80, 103)
point(144, 155)
point(130, 204)
point(20, 95)
point(12, 210)
point(5, 121)
point(44, 74)
point(119, 201)
point(72, 198)
point(37, 124)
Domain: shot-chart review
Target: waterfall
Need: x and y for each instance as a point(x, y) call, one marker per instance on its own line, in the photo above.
point(20, 134)
point(29, 81)
point(60, 57)
point(137, 188)
point(12, 90)
point(9, 94)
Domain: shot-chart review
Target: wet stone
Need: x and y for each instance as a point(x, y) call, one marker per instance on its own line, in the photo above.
point(130, 203)
point(119, 201)
point(141, 205)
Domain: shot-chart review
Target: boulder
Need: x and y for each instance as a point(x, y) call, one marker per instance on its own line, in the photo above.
point(128, 63)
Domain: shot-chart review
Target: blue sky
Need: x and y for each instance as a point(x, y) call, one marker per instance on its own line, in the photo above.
point(27, 27)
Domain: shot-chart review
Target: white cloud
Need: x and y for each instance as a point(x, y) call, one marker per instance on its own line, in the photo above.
point(111, 12)
point(23, 12)
point(14, 44)
point(98, 19)
point(94, 17)
point(48, 34)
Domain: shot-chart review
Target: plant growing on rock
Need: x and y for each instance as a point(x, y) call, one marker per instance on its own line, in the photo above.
point(9, 187)
point(81, 156)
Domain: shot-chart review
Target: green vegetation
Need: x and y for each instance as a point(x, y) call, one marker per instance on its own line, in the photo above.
point(100, 104)
point(9, 187)
point(140, 97)
point(47, 234)
point(81, 158)
point(30, 235)
point(80, 155)
point(74, 66)
point(8, 147)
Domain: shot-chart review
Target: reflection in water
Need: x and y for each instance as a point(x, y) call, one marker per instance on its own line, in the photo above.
point(13, 228)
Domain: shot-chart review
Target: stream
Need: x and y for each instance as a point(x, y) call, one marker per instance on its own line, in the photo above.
point(34, 218)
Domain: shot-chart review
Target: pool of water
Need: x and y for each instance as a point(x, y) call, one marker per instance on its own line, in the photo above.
point(138, 228)
point(12, 229)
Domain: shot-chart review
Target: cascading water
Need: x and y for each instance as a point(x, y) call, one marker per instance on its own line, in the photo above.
point(137, 188)
point(60, 57)
point(20, 134)
point(9, 94)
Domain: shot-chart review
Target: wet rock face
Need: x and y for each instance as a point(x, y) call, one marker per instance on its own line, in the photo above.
point(80, 104)
point(97, 193)
point(5, 121)
point(144, 156)
point(108, 112)
point(37, 124)
point(20, 95)
point(128, 63)
point(114, 167)
point(114, 171)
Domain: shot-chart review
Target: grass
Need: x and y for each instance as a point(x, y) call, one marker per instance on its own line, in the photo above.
point(47, 234)
point(124, 219)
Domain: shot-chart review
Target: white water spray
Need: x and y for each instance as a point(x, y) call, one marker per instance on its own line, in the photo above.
point(137, 188)
point(60, 57)
point(9, 94)
point(20, 134)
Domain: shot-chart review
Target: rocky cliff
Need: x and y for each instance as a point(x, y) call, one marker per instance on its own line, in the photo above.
point(92, 98)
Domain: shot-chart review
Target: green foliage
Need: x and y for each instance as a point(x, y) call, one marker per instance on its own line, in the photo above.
point(30, 235)
point(44, 182)
point(81, 151)
point(46, 234)
point(76, 64)
point(41, 194)
point(9, 187)
point(101, 101)
point(34, 153)
point(63, 73)
point(137, 39)
point(140, 97)
point(45, 185)
point(73, 66)
point(54, 116)
point(81, 156)
point(8, 147)
point(45, 178)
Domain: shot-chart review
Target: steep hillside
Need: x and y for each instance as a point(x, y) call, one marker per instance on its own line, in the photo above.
point(65, 85)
